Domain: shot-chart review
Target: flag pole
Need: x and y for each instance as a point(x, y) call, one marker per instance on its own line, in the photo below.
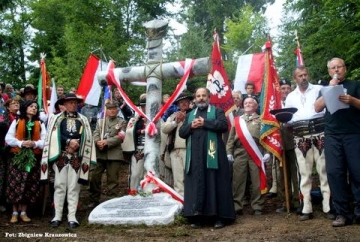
point(104, 110)
point(297, 39)
point(103, 123)
point(286, 185)
point(102, 55)
point(247, 50)
point(110, 96)
point(270, 125)
point(284, 165)
point(299, 58)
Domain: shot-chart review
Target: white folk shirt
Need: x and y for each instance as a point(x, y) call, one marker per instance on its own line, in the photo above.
point(12, 141)
point(304, 102)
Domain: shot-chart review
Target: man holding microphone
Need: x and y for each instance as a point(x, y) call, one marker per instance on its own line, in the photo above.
point(342, 145)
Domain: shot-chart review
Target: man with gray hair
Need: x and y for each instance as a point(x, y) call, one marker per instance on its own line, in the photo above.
point(342, 146)
point(9, 90)
point(237, 97)
point(243, 163)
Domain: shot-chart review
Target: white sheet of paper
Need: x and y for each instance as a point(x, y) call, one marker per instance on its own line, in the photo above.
point(331, 97)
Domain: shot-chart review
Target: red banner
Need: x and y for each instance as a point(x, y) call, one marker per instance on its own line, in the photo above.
point(270, 137)
point(42, 86)
point(218, 82)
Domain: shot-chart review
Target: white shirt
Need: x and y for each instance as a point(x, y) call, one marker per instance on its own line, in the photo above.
point(304, 102)
point(14, 142)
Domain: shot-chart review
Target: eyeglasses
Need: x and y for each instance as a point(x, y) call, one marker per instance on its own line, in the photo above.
point(14, 103)
point(335, 67)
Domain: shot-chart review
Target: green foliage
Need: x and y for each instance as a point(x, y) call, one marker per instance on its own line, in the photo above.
point(4, 4)
point(326, 29)
point(24, 160)
point(180, 220)
point(192, 44)
point(245, 29)
point(67, 31)
point(15, 36)
point(180, 232)
point(195, 43)
point(220, 15)
point(245, 33)
point(212, 14)
point(78, 28)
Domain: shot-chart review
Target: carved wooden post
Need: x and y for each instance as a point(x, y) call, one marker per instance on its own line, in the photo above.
point(156, 31)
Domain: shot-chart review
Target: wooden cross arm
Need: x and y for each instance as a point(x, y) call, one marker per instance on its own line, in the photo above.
point(161, 71)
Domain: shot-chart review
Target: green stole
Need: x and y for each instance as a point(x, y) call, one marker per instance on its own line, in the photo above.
point(212, 155)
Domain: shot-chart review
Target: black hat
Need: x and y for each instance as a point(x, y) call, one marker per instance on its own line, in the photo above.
point(245, 96)
point(56, 106)
point(28, 89)
point(285, 82)
point(68, 97)
point(284, 115)
point(112, 104)
point(142, 101)
point(183, 96)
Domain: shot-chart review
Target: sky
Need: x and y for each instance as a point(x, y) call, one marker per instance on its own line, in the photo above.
point(274, 13)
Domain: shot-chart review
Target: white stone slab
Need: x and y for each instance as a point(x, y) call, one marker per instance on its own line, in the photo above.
point(157, 209)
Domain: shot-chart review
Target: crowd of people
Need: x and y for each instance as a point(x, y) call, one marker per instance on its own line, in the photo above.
point(218, 171)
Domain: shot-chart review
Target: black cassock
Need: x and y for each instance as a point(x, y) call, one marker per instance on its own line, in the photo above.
point(208, 192)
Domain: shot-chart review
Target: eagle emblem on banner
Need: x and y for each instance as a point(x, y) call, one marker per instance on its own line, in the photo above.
point(216, 84)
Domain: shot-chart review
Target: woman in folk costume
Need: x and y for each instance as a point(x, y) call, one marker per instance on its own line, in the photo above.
point(8, 114)
point(26, 138)
point(70, 149)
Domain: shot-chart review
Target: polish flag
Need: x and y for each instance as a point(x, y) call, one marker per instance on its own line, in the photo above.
point(89, 87)
point(250, 68)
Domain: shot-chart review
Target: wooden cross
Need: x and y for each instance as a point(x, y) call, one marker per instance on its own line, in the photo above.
point(154, 72)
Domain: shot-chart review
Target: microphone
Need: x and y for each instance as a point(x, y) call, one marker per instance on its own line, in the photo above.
point(336, 76)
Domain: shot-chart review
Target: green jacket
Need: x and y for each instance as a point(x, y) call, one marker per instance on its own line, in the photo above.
point(112, 128)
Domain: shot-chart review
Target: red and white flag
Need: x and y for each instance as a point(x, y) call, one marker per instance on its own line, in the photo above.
point(218, 82)
point(250, 68)
point(299, 58)
point(89, 87)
